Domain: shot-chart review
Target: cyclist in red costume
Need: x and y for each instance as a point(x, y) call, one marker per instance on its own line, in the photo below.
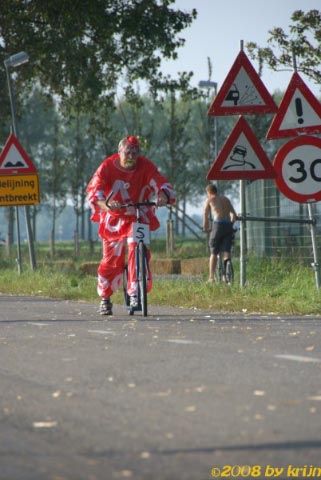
point(123, 177)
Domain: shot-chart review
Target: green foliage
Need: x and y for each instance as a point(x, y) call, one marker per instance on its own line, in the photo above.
point(273, 287)
point(80, 48)
point(303, 40)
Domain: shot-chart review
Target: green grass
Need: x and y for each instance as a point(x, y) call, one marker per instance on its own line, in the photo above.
point(273, 286)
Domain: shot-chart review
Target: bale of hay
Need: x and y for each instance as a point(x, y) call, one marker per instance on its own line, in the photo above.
point(160, 266)
point(89, 268)
point(163, 266)
point(194, 266)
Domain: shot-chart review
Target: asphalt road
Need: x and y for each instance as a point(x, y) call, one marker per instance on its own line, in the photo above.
point(170, 397)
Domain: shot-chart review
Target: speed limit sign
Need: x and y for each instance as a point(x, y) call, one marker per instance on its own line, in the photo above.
point(298, 169)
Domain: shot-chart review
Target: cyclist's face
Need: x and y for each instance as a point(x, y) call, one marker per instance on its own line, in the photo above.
point(128, 156)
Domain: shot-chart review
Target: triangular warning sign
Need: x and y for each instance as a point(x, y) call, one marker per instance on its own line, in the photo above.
point(14, 160)
point(241, 157)
point(299, 111)
point(242, 92)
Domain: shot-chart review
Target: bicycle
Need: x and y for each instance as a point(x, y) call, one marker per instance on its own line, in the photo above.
point(225, 270)
point(141, 235)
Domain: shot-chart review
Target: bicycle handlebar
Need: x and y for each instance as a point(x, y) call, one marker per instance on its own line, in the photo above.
point(137, 204)
point(131, 204)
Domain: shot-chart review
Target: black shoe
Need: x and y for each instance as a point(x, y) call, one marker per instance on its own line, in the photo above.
point(134, 304)
point(105, 307)
point(133, 301)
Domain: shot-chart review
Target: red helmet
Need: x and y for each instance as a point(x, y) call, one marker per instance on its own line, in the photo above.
point(130, 142)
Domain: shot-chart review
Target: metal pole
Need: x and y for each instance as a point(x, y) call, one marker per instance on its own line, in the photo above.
point(170, 234)
point(215, 127)
point(242, 235)
point(216, 140)
point(19, 262)
point(315, 264)
point(26, 209)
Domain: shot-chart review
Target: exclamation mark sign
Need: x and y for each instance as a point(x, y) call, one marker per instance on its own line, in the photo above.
point(299, 110)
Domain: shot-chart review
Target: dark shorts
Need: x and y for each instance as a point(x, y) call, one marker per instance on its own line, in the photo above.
point(221, 237)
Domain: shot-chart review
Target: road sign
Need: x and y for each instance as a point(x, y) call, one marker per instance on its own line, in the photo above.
point(14, 160)
point(299, 111)
point(298, 168)
point(242, 92)
point(19, 190)
point(241, 157)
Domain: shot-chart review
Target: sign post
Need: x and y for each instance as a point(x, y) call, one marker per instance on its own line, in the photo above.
point(242, 156)
point(19, 185)
point(12, 62)
point(298, 168)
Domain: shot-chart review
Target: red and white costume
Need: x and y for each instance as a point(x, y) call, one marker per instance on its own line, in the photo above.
point(139, 184)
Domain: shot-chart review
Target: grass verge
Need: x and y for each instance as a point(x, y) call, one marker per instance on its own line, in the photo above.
point(273, 287)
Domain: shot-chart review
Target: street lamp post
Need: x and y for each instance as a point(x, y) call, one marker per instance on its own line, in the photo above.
point(12, 62)
point(209, 84)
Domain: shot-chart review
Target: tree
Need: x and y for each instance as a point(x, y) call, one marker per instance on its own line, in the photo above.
point(42, 135)
point(81, 47)
point(304, 41)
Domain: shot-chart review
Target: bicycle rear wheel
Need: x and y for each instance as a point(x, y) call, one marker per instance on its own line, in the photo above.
point(229, 272)
point(142, 280)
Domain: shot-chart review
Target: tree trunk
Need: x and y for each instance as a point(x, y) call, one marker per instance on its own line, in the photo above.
point(53, 232)
point(184, 218)
point(82, 208)
point(176, 219)
point(90, 234)
point(76, 235)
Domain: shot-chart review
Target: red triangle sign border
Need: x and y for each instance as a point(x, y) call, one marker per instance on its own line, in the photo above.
point(216, 172)
point(216, 108)
point(296, 83)
point(12, 170)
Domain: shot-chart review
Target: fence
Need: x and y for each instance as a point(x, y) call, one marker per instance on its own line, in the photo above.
point(285, 239)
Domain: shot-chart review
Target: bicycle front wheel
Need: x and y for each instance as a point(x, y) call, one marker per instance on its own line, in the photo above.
point(142, 280)
point(125, 282)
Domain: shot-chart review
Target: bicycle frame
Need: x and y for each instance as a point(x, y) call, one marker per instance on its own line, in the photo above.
point(225, 273)
point(141, 236)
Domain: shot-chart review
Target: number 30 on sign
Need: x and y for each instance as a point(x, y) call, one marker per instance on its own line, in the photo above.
point(298, 168)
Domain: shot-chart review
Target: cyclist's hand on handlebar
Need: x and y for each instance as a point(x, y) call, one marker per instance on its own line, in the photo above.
point(114, 205)
point(162, 199)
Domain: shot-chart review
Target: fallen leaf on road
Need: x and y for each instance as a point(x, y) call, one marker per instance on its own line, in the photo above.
point(190, 408)
point(258, 417)
point(200, 389)
point(145, 455)
point(271, 408)
point(45, 424)
point(126, 473)
point(310, 349)
point(163, 394)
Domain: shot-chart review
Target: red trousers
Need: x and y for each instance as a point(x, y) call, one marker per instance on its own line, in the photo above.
point(111, 268)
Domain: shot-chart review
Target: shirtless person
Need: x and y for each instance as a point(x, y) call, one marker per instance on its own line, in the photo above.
point(221, 235)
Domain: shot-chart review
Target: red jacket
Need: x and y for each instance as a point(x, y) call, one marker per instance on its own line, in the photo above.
point(137, 185)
